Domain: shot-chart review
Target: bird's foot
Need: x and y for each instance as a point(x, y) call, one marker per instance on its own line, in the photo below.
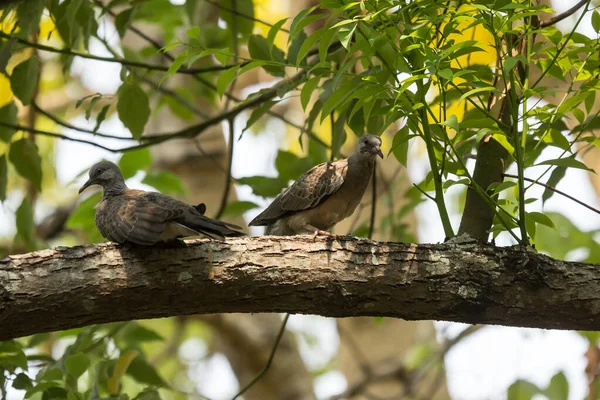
point(319, 232)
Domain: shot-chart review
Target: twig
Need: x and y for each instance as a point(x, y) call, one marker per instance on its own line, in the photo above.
point(55, 135)
point(374, 202)
point(581, 203)
point(561, 16)
point(65, 124)
point(334, 47)
point(269, 361)
point(231, 122)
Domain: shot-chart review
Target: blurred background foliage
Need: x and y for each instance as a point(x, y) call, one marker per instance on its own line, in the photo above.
point(156, 86)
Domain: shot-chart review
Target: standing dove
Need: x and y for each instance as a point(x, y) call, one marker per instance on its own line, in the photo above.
point(145, 218)
point(324, 195)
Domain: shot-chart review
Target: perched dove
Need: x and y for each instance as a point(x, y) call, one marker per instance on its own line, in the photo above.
point(145, 218)
point(324, 195)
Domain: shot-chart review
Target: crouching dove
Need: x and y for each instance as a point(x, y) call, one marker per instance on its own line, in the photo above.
point(324, 195)
point(145, 218)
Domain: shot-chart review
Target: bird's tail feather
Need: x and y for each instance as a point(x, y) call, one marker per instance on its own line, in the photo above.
point(213, 228)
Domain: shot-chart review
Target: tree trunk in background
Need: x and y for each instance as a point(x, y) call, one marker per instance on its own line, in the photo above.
point(201, 164)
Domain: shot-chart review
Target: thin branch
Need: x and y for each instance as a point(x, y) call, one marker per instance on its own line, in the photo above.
point(65, 124)
point(118, 60)
point(54, 135)
point(180, 99)
point(268, 365)
point(581, 203)
point(231, 123)
point(374, 202)
point(561, 16)
point(332, 48)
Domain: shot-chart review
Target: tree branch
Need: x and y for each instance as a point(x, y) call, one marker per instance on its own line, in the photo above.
point(557, 18)
point(66, 288)
point(118, 60)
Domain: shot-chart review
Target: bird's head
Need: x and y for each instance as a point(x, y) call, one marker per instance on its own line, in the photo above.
point(370, 145)
point(105, 174)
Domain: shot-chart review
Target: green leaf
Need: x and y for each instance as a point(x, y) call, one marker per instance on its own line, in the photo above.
point(273, 32)
point(290, 166)
point(308, 44)
point(237, 208)
point(22, 382)
point(345, 34)
point(123, 20)
point(568, 162)
point(338, 97)
point(596, 21)
point(242, 20)
point(24, 78)
point(133, 108)
point(6, 52)
point(133, 161)
point(452, 122)
point(164, 182)
point(555, 177)
point(225, 78)
point(25, 224)
point(541, 219)
point(558, 388)
point(522, 390)
point(193, 32)
point(29, 14)
point(294, 47)
point(24, 156)
point(479, 90)
point(264, 186)
point(501, 138)
point(300, 21)
point(135, 333)
point(101, 117)
point(141, 371)
point(82, 219)
point(8, 114)
point(3, 177)
point(77, 364)
point(497, 187)
point(400, 145)
point(259, 49)
point(175, 65)
point(258, 113)
point(308, 89)
point(148, 394)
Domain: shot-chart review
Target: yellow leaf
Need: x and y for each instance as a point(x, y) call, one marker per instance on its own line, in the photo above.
point(6, 95)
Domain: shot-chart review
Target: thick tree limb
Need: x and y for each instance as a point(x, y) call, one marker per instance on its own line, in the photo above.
point(70, 287)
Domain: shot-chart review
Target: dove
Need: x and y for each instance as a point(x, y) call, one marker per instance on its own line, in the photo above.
point(324, 195)
point(146, 218)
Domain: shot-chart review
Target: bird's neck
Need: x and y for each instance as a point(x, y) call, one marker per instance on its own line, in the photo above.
point(116, 188)
point(362, 158)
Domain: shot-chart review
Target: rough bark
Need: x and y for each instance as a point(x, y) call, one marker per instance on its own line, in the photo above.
point(69, 287)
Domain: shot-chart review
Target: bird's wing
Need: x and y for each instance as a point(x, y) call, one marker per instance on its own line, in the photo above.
point(193, 218)
point(132, 218)
point(308, 191)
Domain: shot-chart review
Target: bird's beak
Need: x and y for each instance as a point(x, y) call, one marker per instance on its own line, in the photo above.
point(86, 185)
point(379, 153)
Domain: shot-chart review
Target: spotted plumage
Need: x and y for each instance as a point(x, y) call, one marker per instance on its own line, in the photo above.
point(324, 195)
